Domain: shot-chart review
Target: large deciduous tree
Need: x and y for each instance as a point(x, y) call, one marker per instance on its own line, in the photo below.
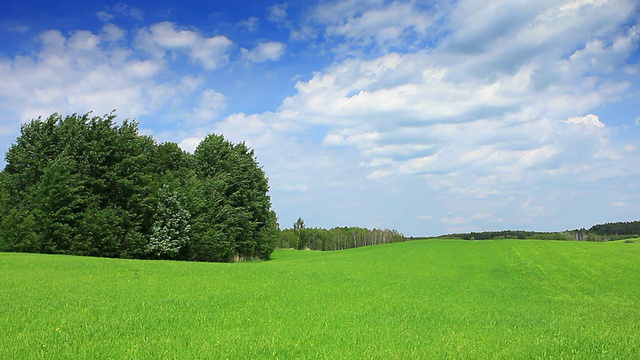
point(232, 182)
point(171, 229)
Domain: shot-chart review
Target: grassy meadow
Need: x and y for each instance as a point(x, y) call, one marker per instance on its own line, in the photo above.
point(414, 300)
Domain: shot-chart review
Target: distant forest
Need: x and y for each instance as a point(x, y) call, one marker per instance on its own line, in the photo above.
point(601, 232)
point(617, 228)
point(302, 238)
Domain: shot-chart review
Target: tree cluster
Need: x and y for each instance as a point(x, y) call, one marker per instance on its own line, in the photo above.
point(338, 238)
point(83, 185)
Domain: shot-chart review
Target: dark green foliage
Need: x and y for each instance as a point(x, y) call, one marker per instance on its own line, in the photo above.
point(617, 228)
point(84, 185)
point(230, 182)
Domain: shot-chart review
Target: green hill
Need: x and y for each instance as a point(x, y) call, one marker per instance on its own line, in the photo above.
point(418, 299)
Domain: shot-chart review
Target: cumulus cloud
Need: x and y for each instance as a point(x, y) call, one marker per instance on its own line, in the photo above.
point(105, 77)
point(164, 37)
point(361, 28)
point(384, 24)
point(433, 98)
point(266, 51)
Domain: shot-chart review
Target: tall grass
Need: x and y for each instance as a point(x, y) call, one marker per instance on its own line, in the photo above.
point(420, 299)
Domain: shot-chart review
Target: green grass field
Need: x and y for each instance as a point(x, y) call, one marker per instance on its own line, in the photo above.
point(414, 300)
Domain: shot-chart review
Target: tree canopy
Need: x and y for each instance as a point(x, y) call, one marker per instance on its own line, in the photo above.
point(84, 185)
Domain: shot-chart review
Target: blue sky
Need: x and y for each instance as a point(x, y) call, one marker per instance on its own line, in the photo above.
point(426, 117)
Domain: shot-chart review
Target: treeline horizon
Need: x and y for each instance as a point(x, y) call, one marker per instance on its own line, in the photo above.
point(598, 233)
point(300, 237)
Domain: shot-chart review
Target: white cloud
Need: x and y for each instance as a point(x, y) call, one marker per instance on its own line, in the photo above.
point(104, 16)
point(190, 144)
point(538, 156)
point(112, 33)
point(590, 119)
point(497, 121)
point(277, 13)
point(209, 105)
point(128, 10)
point(351, 137)
point(40, 84)
point(165, 37)
point(251, 24)
point(266, 51)
point(394, 24)
point(121, 10)
point(384, 25)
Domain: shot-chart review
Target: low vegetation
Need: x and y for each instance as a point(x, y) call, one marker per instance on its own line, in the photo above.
point(409, 300)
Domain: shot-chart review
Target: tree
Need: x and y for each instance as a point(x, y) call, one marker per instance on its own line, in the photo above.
point(234, 189)
point(171, 229)
point(59, 200)
point(298, 227)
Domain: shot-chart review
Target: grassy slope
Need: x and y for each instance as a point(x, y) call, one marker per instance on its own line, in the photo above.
point(421, 299)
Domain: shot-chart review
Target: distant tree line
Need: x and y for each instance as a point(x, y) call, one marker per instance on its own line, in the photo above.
point(338, 238)
point(602, 232)
point(508, 234)
point(83, 185)
point(617, 228)
point(607, 231)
